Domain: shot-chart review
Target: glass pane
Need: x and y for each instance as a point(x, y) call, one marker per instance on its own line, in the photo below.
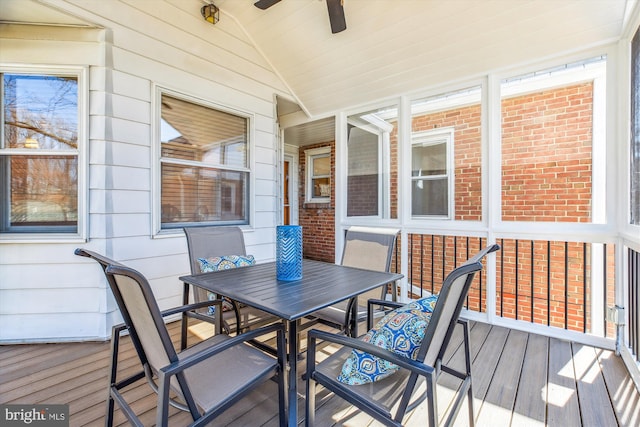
point(321, 165)
point(321, 187)
point(548, 145)
point(190, 131)
point(372, 169)
point(429, 197)
point(363, 173)
point(456, 115)
point(192, 194)
point(429, 160)
point(635, 130)
point(40, 112)
point(44, 191)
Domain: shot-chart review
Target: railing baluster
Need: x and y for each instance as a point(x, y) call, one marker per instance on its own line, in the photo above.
point(410, 262)
point(432, 261)
point(480, 295)
point(422, 266)
point(502, 278)
point(548, 283)
point(517, 281)
point(566, 285)
point(532, 281)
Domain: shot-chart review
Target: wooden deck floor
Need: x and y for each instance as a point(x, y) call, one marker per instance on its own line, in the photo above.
point(519, 379)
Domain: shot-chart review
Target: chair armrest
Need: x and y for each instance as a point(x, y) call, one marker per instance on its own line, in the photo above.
point(354, 343)
point(195, 358)
point(381, 303)
point(189, 307)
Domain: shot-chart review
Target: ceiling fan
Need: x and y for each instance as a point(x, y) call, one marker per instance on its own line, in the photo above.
point(335, 7)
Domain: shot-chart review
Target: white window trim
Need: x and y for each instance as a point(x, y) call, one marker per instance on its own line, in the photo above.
point(309, 156)
point(82, 74)
point(379, 127)
point(156, 153)
point(433, 137)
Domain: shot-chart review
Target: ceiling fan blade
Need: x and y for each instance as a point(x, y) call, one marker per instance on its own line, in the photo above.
point(336, 16)
point(265, 4)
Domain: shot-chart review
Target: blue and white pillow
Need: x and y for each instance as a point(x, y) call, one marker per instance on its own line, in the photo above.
point(224, 262)
point(400, 331)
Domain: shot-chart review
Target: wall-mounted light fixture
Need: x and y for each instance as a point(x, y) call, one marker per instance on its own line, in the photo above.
point(210, 12)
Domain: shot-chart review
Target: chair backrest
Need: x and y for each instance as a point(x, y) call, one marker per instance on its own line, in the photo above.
point(372, 249)
point(212, 241)
point(447, 310)
point(140, 312)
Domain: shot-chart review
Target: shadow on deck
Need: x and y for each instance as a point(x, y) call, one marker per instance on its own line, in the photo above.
point(519, 379)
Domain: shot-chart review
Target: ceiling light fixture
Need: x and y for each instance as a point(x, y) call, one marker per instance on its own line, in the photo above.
point(211, 13)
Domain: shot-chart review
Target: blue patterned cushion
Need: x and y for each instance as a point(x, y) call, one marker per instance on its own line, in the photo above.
point(400, 331)
point(224, 262)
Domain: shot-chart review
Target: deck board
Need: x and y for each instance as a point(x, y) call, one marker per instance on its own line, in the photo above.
point(591, 388)
point(530, 406)
point(517, 379)
point(626, 400)
point(562, 399)
point(501, 394)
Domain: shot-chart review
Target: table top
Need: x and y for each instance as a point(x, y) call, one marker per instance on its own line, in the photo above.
point(322, 285)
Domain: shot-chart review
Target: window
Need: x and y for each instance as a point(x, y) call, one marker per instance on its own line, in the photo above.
point(318, 162)
point(553, 125)
point(446, 156)
point(204, 161)
point(431, 173)
point(39, 152)
point(372, 163)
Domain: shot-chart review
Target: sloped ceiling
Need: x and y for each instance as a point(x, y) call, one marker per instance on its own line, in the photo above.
point(390, 47)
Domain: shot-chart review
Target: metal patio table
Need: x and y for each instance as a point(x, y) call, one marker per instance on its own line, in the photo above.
point(322, 285)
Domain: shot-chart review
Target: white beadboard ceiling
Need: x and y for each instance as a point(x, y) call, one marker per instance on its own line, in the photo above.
point(393, 47)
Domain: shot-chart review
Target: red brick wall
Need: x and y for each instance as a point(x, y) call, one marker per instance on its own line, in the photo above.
point(317, 219)
point(546, 155)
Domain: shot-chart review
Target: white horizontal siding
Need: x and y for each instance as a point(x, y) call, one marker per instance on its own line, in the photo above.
point(140, 49)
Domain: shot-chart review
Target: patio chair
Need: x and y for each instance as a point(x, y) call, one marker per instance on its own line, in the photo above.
point(388, 398)
point(205, 379)
point(209, 242)
point(367, 248)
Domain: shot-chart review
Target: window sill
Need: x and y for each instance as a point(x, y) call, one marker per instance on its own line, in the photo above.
point(317, 205)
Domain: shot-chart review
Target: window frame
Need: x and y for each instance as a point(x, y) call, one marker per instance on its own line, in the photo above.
point(382, 132)
point(157, 162)
point(41, 233)
point(430, 138)
point(310, 156)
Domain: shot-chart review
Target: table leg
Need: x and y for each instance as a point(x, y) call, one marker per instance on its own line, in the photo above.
point(185, 319)
point(293, 373)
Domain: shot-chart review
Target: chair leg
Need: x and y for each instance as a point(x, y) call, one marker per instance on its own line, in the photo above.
point(115, 344)
point(467, 355)
point(110, 407)
point(282, 383)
